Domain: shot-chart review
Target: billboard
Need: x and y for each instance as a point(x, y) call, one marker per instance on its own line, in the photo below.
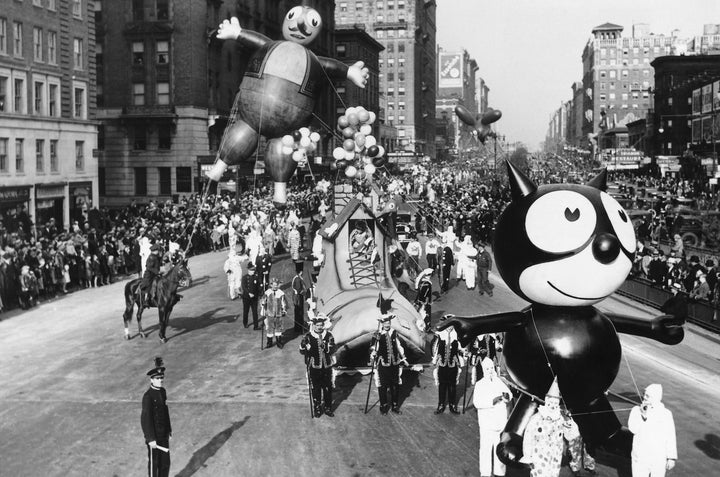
point(451, 70)
point(707, 98)
point(716, 96)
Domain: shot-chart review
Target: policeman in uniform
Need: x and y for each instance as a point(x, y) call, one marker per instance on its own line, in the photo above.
point(250, 292)
point(318, 346)
point(152, 270)
point(423, 300)
point(155, 421)
point(448, 259)
point(388, 354)
point(263, 263)
point(448, 359)
point(484, 265)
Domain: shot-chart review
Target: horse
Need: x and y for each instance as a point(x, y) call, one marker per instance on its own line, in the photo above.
point(165, 298)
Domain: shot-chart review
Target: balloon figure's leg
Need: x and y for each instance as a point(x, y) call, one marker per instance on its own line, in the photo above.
point(239, 142)
point(600, 428)
point(510, 447)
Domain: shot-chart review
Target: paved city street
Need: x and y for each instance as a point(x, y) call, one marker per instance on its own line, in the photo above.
point(70, 400)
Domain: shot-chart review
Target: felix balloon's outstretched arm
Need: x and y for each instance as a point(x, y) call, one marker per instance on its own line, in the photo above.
point(231, 30)
point(664, 328)
point(470, 327)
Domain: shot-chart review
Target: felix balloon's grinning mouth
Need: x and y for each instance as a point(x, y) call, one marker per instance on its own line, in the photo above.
point(572, 296)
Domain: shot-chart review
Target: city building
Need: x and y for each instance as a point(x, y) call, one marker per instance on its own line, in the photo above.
point(687, 105)
point(617, 74)
point(353, 43)
point(482, 94)
point(456, 86)
point(406, 29)
point(48, 135)
point(167, 86)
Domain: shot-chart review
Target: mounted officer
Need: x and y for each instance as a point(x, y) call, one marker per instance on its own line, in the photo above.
point(152, 271)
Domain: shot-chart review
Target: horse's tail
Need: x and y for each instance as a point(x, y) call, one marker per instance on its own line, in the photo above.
point(130, 297)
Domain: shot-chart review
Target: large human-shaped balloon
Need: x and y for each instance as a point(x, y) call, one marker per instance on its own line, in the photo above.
point(278, 92)
point(481, 123)
point(563, 248)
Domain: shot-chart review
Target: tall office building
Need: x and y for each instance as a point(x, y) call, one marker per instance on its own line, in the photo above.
point(482, 94)
point(406, 28)
point(456, 86)
point(47, 103)
point(617, 76)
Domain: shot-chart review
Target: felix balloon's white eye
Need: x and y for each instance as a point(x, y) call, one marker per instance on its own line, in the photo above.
point(622, 224)
point(295, 11)
point(313, 18)
point(560, 221)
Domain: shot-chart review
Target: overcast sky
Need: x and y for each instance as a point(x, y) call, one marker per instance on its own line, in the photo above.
point(530, 51)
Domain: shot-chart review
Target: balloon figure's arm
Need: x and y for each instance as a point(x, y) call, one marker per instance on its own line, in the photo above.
point(231, 30)
point(357, 72)
point(664, 328)
point(470, 327)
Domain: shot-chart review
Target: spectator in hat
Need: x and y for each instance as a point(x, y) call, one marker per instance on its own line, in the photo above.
point(273, 309)
point(388, 353)
point(155, 421)
point(318, 346)
point(299, 292)
point(448, 361)
point(490, 397)
point(657, 268)
point(677, 304)
point(701, 291)
point(654, 447)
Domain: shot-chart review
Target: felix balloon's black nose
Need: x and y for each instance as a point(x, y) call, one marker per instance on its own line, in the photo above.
point(606, 248)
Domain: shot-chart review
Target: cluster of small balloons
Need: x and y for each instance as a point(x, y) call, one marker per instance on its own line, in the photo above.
point(299, 144)
point(360, 153)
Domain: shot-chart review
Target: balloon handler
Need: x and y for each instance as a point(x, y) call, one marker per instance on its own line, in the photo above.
point(563, 248)
point(278, 92)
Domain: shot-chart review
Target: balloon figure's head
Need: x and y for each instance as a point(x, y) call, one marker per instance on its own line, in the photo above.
point(563, 244)
point(302, 25)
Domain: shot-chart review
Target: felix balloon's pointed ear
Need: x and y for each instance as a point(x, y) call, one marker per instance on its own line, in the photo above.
point(599, 181)
point(520, 185)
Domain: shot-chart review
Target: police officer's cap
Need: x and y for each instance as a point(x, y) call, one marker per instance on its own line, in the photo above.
point(158, 372)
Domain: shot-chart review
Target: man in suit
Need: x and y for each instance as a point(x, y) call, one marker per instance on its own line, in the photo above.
point(155, 421)
point(448, 259)
point(250, 291)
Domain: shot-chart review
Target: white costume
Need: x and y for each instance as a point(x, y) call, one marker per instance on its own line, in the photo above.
point(253, 244)
point(654, 442)
point(466, 262)
point(234, 272)
point(145, 244)
point(490, 398)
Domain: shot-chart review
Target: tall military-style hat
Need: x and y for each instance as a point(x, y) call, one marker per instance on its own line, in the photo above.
point(158, 370)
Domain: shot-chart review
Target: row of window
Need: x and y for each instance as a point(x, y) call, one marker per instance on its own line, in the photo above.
point(391, 33)
point(613, 62)
point(41, 153)
point(162, 94)
point(623, 73)
point(611, 52)
point(624, 96)
point(77, 6)
point(635, 86)
point(183, 180)
point(162, 52)
point(44, 94)
point(45, 44)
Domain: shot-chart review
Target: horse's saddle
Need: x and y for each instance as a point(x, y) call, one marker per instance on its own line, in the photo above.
point(150, 297)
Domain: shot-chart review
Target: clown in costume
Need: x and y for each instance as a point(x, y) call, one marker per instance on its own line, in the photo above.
point(543, 443)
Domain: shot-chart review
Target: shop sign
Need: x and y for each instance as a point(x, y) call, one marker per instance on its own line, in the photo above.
point(49, 192)
point(20, 194)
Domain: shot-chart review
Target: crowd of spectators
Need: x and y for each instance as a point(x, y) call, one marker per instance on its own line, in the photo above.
point(40, 262)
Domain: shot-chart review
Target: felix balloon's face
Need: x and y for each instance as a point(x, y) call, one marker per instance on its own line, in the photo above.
point(302, 25)
point(565, 245)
